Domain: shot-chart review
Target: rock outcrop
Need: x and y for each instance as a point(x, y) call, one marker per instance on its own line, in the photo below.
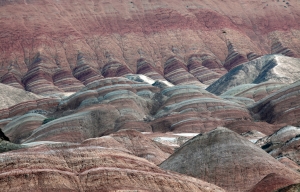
point(282, 106)
point(10, 96)
point(228, 160)
point(272, 68)
point(88, 168)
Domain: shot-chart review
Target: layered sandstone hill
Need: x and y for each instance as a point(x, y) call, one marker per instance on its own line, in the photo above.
point(269, 68)
point(43, 42)
point(283, 106)
point(108, 105)
point(93, 94)
point(88, 168)
point(230, 161)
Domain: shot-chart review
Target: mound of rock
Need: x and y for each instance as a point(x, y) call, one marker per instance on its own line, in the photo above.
point(88, 168)
point(228, 160)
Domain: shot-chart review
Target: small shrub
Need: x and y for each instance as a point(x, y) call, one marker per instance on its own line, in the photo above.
point(47, 120)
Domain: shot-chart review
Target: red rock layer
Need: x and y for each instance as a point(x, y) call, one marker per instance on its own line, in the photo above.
point(24, 107)
point(272, 182)
point(115, 69)
point(66, 82)
point(280, 107)
point(228, 160)
point(88, 168)
point(189, 108)
point(95, 28)
point(234, 58)
point(204, 68)
point(245, 126)
point(145, 68)
point(38, 81)
point(135, 143)
point(12, 80)
point(176, 72)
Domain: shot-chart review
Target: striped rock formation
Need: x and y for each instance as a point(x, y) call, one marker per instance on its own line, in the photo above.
point(228, 160)
point(65, 81)
point(254, 91)
point(205, 68)
point(189, 108)
point(145, 68)
point(115, 69)
point(279, 107)
point(269, 68)
point(234, 58)
point(177, 73)
point(133, 142)
point(88, 168)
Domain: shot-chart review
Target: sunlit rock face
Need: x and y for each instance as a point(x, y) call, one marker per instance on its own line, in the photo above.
point(269, 68)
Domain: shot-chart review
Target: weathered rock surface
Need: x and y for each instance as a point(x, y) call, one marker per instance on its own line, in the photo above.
point(134, 143)
point(177, 73)
point(152, 30)
point(291, 188)
point(189, 108)
point(282, 106)
point(268, 68)
point(88, 168)
point(226, 159)
point(272, 182)
point(254, 91)
point(6, 146)
point(283, 143)
point(10, 96)
point(205, 68)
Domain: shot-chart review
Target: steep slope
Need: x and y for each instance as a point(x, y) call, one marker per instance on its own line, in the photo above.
point(272, 68)
point(226, 159)
point(283, 106)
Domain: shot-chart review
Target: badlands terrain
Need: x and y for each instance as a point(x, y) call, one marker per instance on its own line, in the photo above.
point(150, 95)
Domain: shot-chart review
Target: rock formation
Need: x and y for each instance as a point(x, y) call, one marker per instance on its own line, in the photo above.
point(280, 107)
point(88, 168)
point(272, 68)
point(228, 160)
point(94, 93)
